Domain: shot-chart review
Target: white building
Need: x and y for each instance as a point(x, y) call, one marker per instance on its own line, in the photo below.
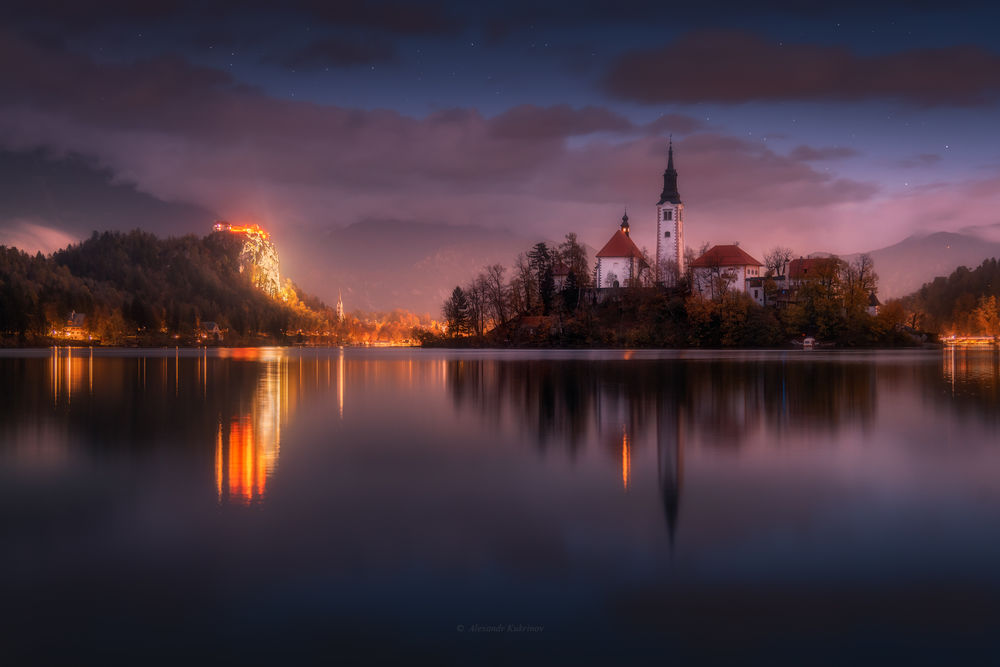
point(669, 226)
point(727, 267)
point(619, 261)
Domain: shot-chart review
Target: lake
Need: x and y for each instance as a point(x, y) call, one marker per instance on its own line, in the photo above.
point(348, 506)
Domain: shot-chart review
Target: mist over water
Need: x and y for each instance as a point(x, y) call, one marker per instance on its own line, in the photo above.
point(268, 505)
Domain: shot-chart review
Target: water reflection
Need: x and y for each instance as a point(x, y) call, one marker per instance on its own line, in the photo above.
point(247, 454)
point(600, 494)
point(226, 407)
point(668, 405)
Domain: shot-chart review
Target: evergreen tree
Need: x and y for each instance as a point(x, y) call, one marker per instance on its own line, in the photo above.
point(456, 312)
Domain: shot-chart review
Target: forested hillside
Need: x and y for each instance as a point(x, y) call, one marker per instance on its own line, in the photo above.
point(135, 286)
point(963, 303)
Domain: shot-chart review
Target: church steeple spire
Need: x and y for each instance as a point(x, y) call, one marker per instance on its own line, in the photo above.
point(670, 193)
point(625, 223)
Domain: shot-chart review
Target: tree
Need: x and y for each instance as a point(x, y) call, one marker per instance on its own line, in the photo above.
point(456, 312)
point(776, 260)
point(540, 261)
point(476, 293)
point(570, 293)
point(574, 256)
point(496, 292)
point(524, 284)
point(987, 316)
point(858, 281)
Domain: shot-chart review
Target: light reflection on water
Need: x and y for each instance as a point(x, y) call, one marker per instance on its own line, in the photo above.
point(618, 494)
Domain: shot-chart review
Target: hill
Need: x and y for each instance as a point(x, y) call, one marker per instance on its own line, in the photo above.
point(965, 302)
point(136, 287)
point(905, 266)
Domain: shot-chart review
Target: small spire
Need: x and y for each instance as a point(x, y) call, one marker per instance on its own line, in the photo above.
point(670, 154)
point(625, 222)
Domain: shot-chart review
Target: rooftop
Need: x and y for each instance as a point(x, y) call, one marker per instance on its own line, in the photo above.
point(620, 245)
point(725, 255)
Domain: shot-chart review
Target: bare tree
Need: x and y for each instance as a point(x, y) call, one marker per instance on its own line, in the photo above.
point(496, 292)
point(645, 275)
point(776, 260)
point(476, 293)
point(526, 282)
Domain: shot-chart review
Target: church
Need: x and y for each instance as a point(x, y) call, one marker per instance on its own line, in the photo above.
point(620, 261)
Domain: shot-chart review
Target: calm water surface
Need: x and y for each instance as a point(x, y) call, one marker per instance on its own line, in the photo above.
point(280, 506)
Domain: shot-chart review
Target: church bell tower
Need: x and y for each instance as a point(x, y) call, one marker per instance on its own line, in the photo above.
point(669, 226)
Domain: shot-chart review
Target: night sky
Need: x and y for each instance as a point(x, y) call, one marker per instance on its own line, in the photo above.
point(841, 128)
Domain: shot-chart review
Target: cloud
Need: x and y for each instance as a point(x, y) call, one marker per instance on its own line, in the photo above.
point(674, 122)
point(33, 236)
point(733, 67)
point(528, 121)
point(811, 154)
point(184, 133)
point(390, 16)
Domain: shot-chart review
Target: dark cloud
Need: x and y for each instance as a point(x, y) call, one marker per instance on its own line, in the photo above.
point(528, 121)
point(735, 67)
point(811, 154)
point(184, 133)
point(396, 16)
point(391, 16)
point(338, 52)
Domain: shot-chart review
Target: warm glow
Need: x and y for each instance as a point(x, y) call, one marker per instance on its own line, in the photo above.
point(249, 230)
point(249, 455)
point(626, 459)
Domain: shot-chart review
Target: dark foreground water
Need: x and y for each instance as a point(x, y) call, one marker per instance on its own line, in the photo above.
point(400, 506)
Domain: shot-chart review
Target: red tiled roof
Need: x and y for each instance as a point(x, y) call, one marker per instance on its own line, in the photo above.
point(620, 245)
point(800, 269)
point(726, 255)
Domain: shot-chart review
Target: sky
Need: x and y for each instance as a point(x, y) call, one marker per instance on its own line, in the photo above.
point(840, 128)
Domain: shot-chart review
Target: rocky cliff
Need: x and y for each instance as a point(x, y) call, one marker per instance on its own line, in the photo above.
point(259, 257)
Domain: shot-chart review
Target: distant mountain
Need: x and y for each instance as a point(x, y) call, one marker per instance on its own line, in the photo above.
point(904, 267)
point(379, 265)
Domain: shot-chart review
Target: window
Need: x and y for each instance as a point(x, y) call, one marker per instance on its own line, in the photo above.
point(666, 235)
point(755, 294)
point(667, 214)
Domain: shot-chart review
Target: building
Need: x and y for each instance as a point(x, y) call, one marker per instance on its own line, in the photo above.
point(76, 326)
point(340, 306)
point(619, 261)
point(669, 226)
point(874, 305)
point(806, 269)
point(727, 267)
point(560, 274)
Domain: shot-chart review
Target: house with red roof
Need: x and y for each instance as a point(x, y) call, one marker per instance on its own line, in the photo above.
point(724, 268)
point(620, 260)
point(806, 269)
